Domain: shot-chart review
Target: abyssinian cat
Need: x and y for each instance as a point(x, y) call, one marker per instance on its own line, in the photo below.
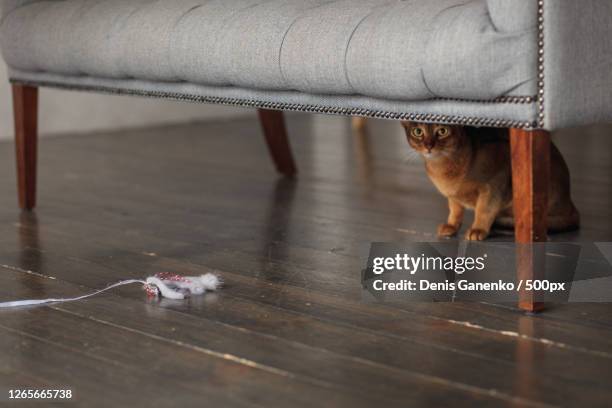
point(471, 167)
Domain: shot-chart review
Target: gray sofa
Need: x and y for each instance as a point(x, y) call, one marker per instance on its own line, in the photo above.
point(531, 66)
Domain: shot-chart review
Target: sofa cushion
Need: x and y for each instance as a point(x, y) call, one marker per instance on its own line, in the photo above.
point(399, 50)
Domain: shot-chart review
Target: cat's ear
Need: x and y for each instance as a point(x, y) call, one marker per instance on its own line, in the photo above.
point(407, 124)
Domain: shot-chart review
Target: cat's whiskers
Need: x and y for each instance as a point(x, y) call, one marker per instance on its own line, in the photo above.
point(412, 156)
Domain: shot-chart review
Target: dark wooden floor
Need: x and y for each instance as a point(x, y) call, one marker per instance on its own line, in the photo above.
point(290, 328)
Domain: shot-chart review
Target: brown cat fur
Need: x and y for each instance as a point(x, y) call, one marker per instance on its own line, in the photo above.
point(471, 168)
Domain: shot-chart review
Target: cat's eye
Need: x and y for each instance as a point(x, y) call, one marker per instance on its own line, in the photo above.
point(443, 132)
point(417, 133)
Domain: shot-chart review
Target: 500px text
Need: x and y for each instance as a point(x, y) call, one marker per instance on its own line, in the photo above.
point(464, 285)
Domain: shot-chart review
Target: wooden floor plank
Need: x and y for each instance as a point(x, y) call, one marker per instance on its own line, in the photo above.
point(95, 381)
point(384, 350)
point(123, 262)
point(149, 337)
point(290, 252)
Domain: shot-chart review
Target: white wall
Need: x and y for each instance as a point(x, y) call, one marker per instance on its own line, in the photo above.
point(82, 112)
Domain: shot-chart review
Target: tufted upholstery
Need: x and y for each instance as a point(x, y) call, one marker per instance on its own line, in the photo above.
point(397, 50)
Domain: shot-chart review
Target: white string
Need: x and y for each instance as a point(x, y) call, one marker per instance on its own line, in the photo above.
point(22, 303)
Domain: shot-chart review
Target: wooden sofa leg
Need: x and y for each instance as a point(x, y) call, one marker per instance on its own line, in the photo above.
point(25, 106)
point(530, 177)
point(273, 125)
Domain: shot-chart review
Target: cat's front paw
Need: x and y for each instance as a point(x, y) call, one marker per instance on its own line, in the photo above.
point(447, 230)
point(475, 234)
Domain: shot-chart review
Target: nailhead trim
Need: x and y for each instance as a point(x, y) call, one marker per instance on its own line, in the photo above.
point(541, 83)
point(501, 99)
point(249, 103)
